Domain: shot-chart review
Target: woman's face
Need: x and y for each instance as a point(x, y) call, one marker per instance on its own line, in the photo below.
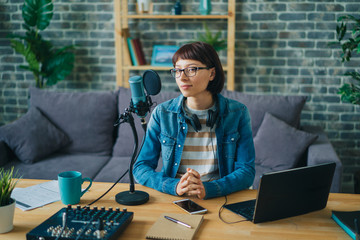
point(194, 86)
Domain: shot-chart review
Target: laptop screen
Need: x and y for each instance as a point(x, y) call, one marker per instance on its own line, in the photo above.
point(293, 192)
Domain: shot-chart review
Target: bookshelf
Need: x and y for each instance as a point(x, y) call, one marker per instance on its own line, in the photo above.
point(123, 67)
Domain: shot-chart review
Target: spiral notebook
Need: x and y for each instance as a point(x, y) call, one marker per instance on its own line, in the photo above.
point(165, 229)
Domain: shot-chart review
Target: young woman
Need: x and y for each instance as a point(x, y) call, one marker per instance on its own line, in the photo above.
point(205, 140)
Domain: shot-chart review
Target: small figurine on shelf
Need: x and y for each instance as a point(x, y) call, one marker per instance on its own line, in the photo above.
point(144, 6)
point(177, 8)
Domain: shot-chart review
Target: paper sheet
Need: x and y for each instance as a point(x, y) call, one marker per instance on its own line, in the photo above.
point(37, 195)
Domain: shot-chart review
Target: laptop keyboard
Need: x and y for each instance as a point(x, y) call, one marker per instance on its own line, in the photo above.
point(245, 209)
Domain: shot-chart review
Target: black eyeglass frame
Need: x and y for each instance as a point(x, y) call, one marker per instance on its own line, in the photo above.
point(173, 72)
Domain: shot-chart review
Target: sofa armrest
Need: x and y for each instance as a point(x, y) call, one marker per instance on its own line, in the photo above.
point(5, 153)
point(322, 151)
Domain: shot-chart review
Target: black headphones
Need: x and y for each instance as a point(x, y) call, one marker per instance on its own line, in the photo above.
point(193, 119)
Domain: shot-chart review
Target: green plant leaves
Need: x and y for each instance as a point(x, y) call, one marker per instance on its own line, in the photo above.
point(26, 51)
point(214, 40)
point(58, 67)
point(37, 13)
point(7, 184)
point(349, 92)
point(48, 64)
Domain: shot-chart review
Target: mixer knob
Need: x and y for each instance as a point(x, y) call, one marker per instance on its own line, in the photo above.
point(124, 210)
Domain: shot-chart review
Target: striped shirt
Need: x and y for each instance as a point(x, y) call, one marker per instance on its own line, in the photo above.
point(200, 148)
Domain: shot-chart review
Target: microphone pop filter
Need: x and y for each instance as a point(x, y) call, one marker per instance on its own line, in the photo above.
point(152, 83)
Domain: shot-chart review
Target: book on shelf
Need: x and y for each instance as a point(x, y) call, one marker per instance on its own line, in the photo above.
point(127, 59)
point(348, 221)
point(140, 56)
point(132, 52)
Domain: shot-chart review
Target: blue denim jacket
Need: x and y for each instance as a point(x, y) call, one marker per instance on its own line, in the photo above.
point(165, 135)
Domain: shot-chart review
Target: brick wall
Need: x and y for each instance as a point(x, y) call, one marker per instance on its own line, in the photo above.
point(281, 48)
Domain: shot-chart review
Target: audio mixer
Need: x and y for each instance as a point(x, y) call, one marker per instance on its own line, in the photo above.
point(82, 224)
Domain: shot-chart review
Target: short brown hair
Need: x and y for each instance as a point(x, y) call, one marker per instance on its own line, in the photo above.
point(207, 55)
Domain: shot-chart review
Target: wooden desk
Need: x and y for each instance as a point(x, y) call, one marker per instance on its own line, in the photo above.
point(315, 225)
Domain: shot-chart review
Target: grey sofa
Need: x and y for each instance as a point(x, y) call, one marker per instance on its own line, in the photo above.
point(74, 131)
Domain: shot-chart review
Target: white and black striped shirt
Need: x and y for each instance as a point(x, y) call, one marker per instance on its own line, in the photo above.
point(200, 148)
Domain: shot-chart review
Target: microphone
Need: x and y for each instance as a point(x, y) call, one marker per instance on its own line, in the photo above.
point(139, 103)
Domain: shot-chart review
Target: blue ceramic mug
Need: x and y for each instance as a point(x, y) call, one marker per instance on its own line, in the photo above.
point(70, 186)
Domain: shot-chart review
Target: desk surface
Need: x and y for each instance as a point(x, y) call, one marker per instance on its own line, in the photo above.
point(315, 225)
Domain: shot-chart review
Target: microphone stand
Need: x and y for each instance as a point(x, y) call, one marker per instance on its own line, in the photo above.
point(131, 197)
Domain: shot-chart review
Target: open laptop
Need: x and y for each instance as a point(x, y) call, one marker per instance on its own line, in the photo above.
point(288, 193)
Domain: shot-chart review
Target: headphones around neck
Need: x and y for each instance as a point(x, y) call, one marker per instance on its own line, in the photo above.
point(193, 119)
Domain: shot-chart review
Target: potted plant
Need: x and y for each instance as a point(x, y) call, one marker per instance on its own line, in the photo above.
point(350, 92)
point(8, 181)
point(213, 39)
point(48, 64)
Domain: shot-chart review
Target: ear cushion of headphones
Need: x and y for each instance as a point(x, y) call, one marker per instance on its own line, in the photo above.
point(211, 118)
point(194, 121)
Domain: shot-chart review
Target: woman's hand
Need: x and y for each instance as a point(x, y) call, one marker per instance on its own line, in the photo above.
point(191, 185)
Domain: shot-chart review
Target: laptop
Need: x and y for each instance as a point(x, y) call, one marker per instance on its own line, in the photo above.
point(288, 193)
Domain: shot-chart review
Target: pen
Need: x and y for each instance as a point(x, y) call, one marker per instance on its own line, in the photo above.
point(177, 221)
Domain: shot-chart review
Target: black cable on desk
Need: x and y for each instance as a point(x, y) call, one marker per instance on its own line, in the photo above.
point(222, 208)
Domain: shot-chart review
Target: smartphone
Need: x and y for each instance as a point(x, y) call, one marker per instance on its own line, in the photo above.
point(190, 207)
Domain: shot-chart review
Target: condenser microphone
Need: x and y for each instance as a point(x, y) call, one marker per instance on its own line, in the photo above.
point(139, 101)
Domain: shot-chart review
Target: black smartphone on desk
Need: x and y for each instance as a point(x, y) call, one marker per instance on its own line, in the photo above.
point(190, 206)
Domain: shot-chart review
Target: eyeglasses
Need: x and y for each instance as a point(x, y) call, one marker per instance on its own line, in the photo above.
point(189, 71)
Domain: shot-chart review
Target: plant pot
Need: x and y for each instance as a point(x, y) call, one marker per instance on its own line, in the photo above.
point(7, 217)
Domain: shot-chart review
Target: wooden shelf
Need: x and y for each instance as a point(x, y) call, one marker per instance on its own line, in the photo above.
point(158, 68)
point(152, 16)
point(121, 23)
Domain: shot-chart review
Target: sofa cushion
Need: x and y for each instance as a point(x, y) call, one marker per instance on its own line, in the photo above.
point(286, 108)
point(114, 169)
point(279, 146)
point(125, 141)
point(33, 137)
point(4, 153)
point(86, 117)
point(88, 164)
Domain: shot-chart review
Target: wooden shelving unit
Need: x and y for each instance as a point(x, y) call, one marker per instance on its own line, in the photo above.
point(121, 24)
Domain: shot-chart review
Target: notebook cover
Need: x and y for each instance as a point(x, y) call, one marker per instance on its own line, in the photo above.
point(165, 229)
point(346, 221)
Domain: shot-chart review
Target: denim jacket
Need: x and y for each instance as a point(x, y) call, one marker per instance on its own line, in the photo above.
point(165, 135)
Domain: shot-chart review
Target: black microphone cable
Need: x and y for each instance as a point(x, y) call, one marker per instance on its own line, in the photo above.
point(108, 189)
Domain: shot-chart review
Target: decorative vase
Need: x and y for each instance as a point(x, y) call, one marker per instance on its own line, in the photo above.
point(205, 7)
point(7, 217)
point(143, 6)
point(177, 8)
